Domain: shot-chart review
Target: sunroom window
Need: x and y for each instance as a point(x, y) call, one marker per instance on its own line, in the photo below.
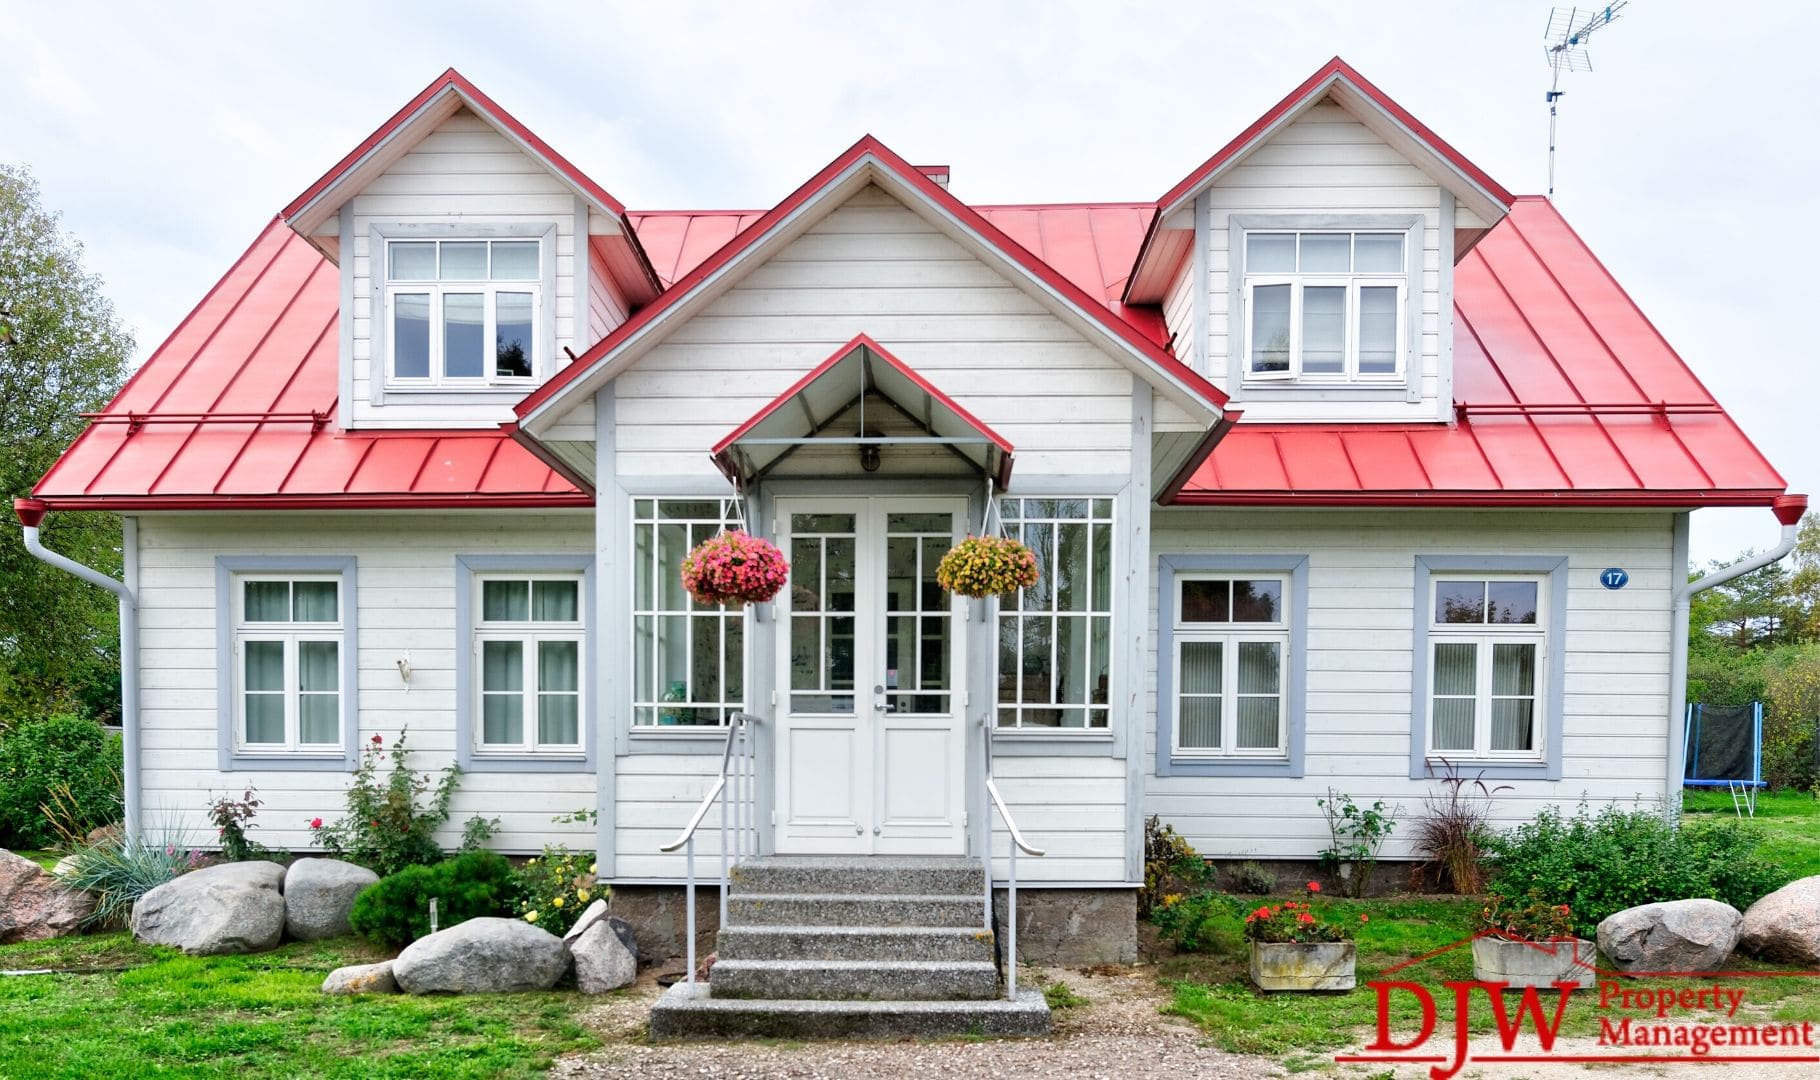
point(1231, 642)
point(688, 659)
point(1055, 638)
point(463, 312)
point(1487, 639)
point(1325, 306)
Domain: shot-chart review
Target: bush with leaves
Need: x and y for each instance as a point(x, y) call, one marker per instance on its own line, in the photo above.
point(392, 823)
point(38, 757)
point(232, 818)
point(1620, 858)
point(1171, 865)
point(1358, 835)
point(396, 910)
point(555, 887)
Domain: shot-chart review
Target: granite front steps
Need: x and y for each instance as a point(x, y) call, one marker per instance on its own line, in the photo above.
point(861, 947)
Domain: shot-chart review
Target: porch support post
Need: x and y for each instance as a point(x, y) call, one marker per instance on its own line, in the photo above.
point(612, 607)
point(1131, 626)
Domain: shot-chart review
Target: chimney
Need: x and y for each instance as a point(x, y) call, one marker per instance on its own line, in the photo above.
point(937, 173)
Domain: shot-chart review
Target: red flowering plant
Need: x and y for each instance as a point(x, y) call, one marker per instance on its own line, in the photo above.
point(1294, 920)
point(1534, 920)
point(981, 566)
point(734, 568)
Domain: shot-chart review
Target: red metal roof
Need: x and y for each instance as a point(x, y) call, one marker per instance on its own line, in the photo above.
point(1565, 395)
point(237, 407)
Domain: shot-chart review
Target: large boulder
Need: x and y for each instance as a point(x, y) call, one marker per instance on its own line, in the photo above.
point(231, 908)
point(482, 956)
point(1678, 936)
point(34, 905)
point(597, 912)
point(602, 961)
point(361, 979)
point(1785, 925)
point(319, 895)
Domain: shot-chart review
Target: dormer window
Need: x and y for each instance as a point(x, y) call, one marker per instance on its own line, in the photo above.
point(1325, 306)
point(463, 313)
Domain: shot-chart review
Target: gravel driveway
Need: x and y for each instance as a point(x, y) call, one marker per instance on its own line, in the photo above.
point(1118, 1034)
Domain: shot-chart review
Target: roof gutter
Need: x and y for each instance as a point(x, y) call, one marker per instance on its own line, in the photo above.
point(1788, 510)
point(31, 514)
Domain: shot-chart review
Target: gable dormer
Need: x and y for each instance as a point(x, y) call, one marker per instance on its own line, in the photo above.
point(1307, 268)
point(474, 262)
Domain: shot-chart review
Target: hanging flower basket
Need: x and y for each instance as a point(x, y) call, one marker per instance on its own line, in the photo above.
point(981, 566)
point(734, 568)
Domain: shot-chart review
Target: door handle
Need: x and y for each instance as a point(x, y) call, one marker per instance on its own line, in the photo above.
point(880, 702)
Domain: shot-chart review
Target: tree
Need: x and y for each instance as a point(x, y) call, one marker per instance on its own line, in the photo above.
point(1746, 612)
point(63, 352)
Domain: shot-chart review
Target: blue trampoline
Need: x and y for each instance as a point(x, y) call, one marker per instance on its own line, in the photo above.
point(1724, 749)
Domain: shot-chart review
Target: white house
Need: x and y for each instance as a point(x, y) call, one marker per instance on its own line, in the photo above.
point(1343, 464)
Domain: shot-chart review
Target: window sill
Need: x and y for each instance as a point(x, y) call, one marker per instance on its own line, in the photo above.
point(1052, 742)
point(676, 739)
point(1293, 390)
point(1174, 765)
point(337, 760)
point(527, 762)
point(1490, 768)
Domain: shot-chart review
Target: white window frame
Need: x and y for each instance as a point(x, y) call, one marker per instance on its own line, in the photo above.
point(529, 633)
point(436, 289)
point(1097, 716)
point(1484, 636)
point(1230, 635)
point(290, 634)
point(647, 514)
point(1352, 282)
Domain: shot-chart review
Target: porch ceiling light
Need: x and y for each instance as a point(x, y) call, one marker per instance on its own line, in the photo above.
point(868, 453)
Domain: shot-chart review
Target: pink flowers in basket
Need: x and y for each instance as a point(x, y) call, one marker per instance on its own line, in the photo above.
point(734, 568)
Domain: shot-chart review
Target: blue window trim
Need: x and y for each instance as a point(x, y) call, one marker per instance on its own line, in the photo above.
point(1295, 678)
point(471, 760)
point(229, 757)
point(1554, 569)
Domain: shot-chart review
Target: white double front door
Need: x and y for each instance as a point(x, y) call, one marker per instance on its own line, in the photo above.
point(870, 741)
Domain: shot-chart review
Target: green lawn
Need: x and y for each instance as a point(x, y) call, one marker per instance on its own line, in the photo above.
point(252, 1016)
point(1789, 822)
point(46, 859)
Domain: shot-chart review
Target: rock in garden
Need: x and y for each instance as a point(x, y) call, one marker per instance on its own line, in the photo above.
point(361, 979)
point(1681, 935)
point(34, 905)
point(602, 961)
point(319, 895)
point(1785, 925)
point(231, 908)
point(597, 912)
point(482, 956)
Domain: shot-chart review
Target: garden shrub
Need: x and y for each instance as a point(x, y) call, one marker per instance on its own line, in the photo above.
point(1601, 864)
point(1358, 835)
point(1170, 865)
point(396, 910)
point(390, 824)
point(1204, 922)
point(556, 887)
point(1251, 877)
point(38, 757)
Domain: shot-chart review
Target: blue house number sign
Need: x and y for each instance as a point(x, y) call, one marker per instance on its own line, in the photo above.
point(1614, 578)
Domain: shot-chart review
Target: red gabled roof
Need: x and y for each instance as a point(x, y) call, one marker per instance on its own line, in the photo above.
point(238, 407)
point(1566, 396)
point(907, 174)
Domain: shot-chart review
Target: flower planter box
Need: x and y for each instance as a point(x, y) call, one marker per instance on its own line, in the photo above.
point(1534, 963)
point(1292, 965)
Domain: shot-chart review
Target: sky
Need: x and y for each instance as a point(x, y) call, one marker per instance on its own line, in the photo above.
point(168, 134)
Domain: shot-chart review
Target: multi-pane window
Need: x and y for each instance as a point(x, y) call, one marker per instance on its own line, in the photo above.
point(288, 634)
point(528, 636)
point(688, 658)
point(462, 312)
point(1487, 642)
point(1055, 638)
point(1231, 643)
point(1325, 306)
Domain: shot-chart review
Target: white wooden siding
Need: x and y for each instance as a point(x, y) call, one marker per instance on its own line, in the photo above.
point(1073, 808)
point(1326, 162)
point(406, 606)
point(1360, 619)
point(874, 266)
point(1178, 315)
point(463, 171)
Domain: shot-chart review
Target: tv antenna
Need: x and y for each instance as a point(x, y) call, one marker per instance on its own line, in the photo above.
point(1568, 29)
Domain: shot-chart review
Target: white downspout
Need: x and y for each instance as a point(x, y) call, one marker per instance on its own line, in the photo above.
point(31, 514)
point(1788, 510)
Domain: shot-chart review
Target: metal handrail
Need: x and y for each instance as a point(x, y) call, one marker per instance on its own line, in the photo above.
point(1018, 843)
point(738, 771)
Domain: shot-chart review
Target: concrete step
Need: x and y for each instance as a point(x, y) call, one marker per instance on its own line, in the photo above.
point(694, 1012)
point(856, 980)
point(871, 875)
point(854, 943)
point(853, 909)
